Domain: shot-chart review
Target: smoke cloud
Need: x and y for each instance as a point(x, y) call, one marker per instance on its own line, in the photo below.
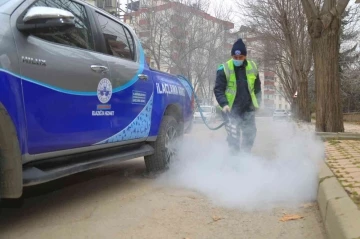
point(281, 171)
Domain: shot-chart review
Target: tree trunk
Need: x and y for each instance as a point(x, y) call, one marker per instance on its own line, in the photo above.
point(302, 100)
point(329, 116)
point(295, 108)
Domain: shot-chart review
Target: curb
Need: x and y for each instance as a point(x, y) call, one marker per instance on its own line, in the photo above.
point(338, 136)
point(341, 216)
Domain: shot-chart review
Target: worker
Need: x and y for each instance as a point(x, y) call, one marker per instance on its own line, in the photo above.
point(238, 92)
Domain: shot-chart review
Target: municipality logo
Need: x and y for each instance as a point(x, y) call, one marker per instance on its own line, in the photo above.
point(104, 91)
point(238, 52)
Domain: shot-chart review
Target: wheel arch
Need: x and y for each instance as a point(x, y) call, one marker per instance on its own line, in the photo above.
point(176, 111)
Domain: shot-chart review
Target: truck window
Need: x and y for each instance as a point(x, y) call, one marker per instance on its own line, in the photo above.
point(80, 36)
point(116, 39)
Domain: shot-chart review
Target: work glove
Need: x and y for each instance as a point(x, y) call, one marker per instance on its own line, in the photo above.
point(226, 109)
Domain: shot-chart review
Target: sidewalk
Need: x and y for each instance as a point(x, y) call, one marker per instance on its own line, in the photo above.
point(339, 182)
point(339, 188)
point(343, 158)
point(353, 127)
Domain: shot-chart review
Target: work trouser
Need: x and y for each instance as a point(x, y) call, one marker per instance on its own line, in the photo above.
point(246, 126)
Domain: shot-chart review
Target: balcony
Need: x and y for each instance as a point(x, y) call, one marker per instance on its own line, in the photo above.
point(269, 74)
point(178, 32)
point(104, 4)
point(269, 92)
point(143, 34)
point(177, 19)
point(144, 22)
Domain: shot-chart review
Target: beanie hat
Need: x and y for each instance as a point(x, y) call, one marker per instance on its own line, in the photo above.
point(238, 48)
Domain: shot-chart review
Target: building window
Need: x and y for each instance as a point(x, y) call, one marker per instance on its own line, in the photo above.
point(109, 3)
point(280, 106)
point(105, 3)
point(143, 15)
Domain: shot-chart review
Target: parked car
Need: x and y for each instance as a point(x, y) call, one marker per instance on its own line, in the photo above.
point(209, 113)
point(281, 115)
point(76, 93)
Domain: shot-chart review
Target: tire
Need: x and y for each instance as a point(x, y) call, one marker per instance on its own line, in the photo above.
point(189, 129)
point(160, 160)
point(10, 160)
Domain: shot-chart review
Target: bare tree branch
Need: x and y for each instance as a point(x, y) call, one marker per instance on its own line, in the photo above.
point(309, 8)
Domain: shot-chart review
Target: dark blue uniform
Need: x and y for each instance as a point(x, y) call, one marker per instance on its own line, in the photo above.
point(242, 109)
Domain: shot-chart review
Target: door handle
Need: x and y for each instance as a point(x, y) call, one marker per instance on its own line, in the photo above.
point(143, 77)
point(99, 68)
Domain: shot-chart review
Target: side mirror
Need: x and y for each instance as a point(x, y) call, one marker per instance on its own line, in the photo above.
point(45, 19)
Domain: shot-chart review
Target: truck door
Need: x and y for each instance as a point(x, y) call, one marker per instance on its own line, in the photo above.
point(63, 94)
point(133, 85)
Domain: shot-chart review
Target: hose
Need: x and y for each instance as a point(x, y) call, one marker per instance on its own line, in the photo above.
point(200, 110)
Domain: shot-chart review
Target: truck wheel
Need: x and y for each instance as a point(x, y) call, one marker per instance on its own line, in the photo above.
point(164, 145)
point(10, 161)
point(189, 129)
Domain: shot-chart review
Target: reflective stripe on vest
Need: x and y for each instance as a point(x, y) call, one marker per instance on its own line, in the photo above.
point(251, 73)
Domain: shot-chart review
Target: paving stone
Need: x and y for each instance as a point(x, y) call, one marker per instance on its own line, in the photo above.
point(357, 190)
point(343, 159)
point(341, 167)
point(345, 180)
point(355, 174)
point(352, 170)
point(345, 164)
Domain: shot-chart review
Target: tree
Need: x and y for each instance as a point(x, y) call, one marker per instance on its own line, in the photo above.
point(281, 26)
point(182, 38)
point(349, 60)
point(324, 21)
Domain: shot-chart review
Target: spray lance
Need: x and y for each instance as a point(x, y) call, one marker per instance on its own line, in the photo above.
point(229, 124)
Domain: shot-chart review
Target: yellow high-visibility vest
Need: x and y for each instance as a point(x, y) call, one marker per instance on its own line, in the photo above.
point(251, 73)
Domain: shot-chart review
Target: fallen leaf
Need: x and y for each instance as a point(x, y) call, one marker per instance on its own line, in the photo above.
point(215, 218)
point(307, 205)
point(286, 218)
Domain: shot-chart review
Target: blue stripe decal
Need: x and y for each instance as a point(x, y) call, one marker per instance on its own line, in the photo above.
point(138, 128)
point(70, 92)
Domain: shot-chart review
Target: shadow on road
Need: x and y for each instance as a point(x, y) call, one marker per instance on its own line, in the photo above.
point(50, 198)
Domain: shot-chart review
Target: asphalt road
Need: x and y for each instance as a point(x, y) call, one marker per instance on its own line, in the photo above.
point(194, 200)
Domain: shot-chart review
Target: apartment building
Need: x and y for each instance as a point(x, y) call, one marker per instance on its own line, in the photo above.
point(111, 6)
point(170, 28)
point(267, 76)
point(176, 15)
point(279, 98)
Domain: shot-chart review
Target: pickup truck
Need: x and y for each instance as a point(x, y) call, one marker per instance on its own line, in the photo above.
point(76, 94)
